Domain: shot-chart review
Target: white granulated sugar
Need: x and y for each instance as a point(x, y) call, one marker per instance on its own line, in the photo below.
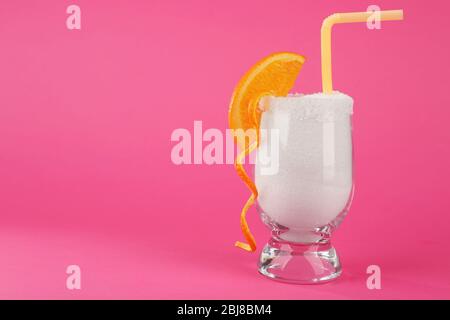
point(313, 182)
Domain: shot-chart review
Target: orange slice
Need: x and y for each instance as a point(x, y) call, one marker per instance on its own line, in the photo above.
point(274, 75)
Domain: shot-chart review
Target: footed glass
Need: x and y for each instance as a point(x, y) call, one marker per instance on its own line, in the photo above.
point(303, 174)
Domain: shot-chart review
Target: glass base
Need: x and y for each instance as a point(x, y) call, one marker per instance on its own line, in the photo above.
point(299, 263)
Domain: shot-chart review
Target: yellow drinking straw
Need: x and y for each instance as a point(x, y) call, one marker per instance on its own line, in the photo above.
point(350, 17)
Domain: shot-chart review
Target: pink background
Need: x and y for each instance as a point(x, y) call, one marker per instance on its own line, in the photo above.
point(85, 124)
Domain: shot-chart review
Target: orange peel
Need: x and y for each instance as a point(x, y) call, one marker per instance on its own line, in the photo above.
point(274, 75)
